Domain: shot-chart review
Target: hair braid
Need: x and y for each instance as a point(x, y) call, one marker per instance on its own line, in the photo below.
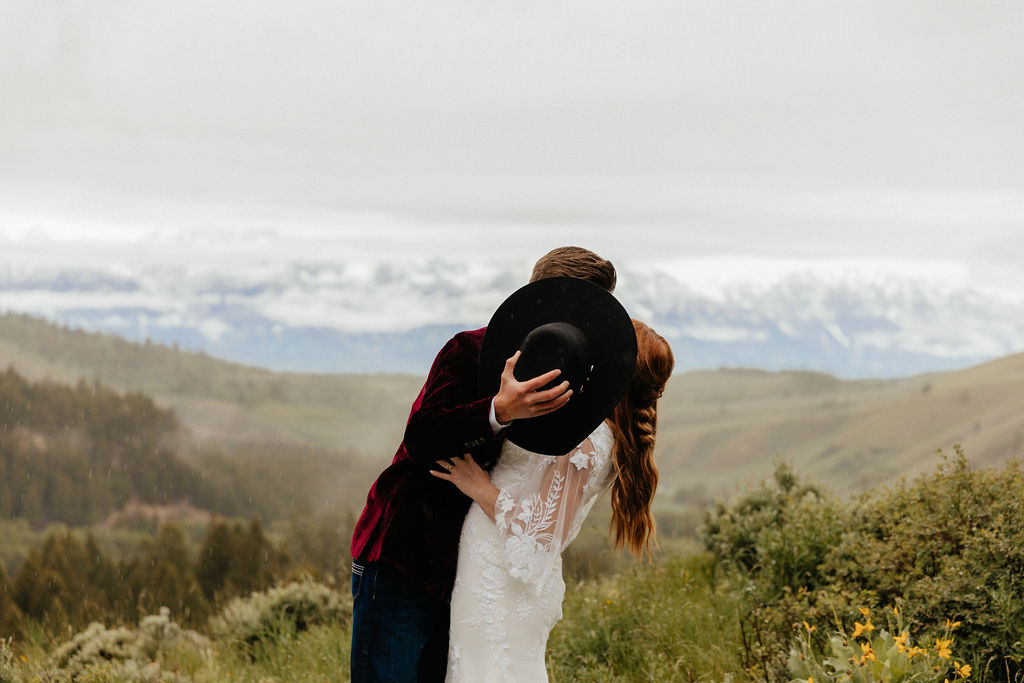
point(634, 424)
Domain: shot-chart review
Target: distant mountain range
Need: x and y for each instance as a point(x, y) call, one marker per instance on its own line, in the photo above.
point(386, 318)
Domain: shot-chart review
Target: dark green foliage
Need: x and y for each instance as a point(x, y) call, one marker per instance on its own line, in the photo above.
point(76, 454)
point(949, 546)
point(163, 576)
point(10, 614)
point(774, 539)
point(236, 559)
point(779, 532)
point(65, 582)
point(71, 582)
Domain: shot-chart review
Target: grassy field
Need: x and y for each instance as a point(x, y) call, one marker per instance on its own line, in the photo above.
point(920, 581)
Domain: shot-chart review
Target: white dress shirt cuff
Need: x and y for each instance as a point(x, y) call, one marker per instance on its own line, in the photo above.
point(495, 425)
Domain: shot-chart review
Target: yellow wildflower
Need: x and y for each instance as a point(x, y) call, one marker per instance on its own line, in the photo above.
point(942, 647)
point(868, 653)
point(859, 628)
point(810, 628)
point(865, 611)
point(896, 610)
point(963, 671)
point(901, 641)
point(950, 625)
point(916, 652)
point(23, 659)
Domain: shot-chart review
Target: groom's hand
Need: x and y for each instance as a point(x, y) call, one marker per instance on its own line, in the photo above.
point(521, 400)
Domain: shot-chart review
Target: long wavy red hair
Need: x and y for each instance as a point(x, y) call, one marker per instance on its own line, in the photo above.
point(634, 423)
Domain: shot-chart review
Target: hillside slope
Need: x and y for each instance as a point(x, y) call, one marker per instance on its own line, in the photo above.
point(721, 428)
point(717, 428)
point(218, 400)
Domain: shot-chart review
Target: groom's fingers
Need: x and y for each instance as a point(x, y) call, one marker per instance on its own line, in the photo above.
point(552, 405)
point(540, 380)
point(549, 394)
point(510, 362)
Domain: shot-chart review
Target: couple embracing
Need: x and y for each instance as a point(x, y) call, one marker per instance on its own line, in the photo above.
point(457, 571)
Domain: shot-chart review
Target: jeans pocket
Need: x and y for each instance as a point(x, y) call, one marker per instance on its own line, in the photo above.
point(357, 578)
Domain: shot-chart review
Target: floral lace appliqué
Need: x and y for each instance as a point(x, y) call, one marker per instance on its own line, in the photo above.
point(580, 459)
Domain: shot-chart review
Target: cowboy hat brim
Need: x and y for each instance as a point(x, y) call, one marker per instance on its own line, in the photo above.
point(610, 336)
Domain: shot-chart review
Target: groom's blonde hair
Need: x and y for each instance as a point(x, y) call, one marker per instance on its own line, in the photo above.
point(575, 262)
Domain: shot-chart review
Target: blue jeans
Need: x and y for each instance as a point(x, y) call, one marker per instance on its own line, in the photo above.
point(399, 632)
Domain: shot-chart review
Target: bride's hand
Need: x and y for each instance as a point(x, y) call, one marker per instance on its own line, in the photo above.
point(471, 479)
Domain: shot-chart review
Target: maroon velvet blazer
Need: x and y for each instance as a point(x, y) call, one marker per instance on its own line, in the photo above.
point(412, 520)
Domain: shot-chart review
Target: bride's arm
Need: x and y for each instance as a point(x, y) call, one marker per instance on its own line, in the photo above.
point(543, 505)
point(535, 515)
point(471, 479)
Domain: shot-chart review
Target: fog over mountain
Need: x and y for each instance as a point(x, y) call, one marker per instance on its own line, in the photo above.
point(851, 319)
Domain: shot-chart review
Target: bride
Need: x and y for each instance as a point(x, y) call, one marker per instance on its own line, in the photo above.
point(508, 586)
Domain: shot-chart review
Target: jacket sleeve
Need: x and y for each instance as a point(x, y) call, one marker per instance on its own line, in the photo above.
point(450, 418)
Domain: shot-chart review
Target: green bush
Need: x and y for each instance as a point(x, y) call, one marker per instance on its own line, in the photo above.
point(294, 607)
point(772, 541)
point(950, 545)
point(779, 533)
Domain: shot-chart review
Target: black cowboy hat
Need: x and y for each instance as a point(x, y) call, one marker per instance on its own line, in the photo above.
point(572, 325)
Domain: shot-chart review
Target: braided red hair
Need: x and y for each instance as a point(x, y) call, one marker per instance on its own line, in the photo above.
point(634, 423)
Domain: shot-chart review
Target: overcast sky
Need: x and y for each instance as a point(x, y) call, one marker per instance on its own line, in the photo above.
point(798, 130)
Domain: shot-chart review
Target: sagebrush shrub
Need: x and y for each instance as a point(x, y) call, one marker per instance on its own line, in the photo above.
point(297, 606)
point(122, 654)
point(8, 669)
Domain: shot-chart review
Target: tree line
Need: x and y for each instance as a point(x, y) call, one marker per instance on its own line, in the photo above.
point(70, 581)
point(74, 454)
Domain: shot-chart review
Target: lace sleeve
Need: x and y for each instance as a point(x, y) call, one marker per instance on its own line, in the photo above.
point(540, 514)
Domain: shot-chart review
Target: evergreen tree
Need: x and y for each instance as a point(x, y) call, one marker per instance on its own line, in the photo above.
point(164, 577)
point(235, 560)
point(10, 615)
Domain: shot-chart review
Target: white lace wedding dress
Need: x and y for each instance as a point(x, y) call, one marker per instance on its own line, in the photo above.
point(508, 585)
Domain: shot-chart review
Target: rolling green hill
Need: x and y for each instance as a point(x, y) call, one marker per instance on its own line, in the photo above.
point(721, 428)
point(717, 428)
point(218, 400)
point(277, 439)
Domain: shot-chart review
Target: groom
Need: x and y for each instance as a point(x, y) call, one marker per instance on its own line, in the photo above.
point(405, 544)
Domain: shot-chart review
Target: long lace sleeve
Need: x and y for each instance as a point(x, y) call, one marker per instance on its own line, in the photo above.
point(540, 514)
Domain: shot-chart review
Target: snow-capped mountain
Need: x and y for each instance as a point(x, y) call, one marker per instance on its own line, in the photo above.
point(364, 317)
